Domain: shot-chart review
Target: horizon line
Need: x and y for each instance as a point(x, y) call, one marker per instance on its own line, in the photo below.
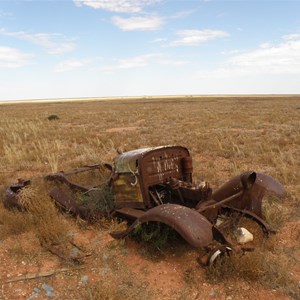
point(141, 97)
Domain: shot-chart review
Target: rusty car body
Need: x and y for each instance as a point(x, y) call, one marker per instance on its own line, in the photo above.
point(156, 185)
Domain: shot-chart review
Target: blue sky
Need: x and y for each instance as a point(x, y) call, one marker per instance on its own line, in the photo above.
point(99, 48)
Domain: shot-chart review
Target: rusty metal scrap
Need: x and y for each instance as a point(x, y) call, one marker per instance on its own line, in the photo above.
point(252, 187)
point(192, 226)
point(156, 185)
point(11, 200)
point(63, 177)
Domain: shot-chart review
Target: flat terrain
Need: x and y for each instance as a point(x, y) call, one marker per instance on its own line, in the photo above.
point(226, 136)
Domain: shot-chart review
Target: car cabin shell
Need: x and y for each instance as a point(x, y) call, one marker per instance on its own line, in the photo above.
point(135, 172)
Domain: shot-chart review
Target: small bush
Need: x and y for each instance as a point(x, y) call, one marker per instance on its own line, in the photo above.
point(52, 117)
point(98, 200)
point(156, 234)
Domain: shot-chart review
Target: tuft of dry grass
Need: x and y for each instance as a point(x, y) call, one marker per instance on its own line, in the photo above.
point(14, 222)
point(41, 217)
point(129, 288)
point(49, 225)
point(257, 267)
point(274, 212)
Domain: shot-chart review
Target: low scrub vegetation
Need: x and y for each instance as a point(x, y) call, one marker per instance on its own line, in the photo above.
point(225, 135)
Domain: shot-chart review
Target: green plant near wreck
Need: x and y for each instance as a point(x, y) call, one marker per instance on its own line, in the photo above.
point(100, 199)
point(158, 234)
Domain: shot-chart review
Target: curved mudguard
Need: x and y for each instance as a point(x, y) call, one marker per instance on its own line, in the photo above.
point(255, 186)
point(191, 225)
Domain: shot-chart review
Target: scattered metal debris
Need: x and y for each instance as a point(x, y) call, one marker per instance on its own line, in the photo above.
point(29, 276)
point(156, 185)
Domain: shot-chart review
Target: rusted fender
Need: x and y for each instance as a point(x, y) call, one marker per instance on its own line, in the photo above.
point(191, 225)
point(254, 186)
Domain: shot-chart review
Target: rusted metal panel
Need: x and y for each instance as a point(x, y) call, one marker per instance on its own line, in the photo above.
point(188, 168)
point(63, 177)
point(252, 187)
point(131, 204)
point(127, 188)
point(130, 213)
point(195, 195)
point(128, 162)
point(11, 200)
point(137, 170)
point(66, 202)
point(192, 226)
point(158, 166)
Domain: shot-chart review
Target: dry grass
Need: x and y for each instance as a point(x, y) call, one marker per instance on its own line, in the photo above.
point(225, 135)
point(49, 225)
point(257, 267)
point(128, 288)
point(41, 217)
point(13, 222)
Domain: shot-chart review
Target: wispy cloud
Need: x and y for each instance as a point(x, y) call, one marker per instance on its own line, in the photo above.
point(279, 59)
point(293, 36)
point(269, 59)
point(173, 62)
point(182, 14)
point(193, 37)
point(132, 62)
point(13, 58)
point(143, 61)
point(120, 6)
point(6, 15)
point(232, 52)
point(145, 23)
point(71, 64)
point(159, 40)
point(138, 23)
point(53, 43)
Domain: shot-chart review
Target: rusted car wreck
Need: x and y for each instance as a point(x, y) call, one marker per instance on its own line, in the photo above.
point(156, 185)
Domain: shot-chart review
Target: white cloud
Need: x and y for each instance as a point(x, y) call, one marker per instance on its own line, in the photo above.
point(6, 15)
point(132, 62)
point(120, 6)
point(143, 61)
point(69, 65)
point(230, 52)
point(173, 62)
point(196, 37)
point(138, 23)
point(54, 43)
point(265, 45)
point(281, 59)
point(158, 40)
point(293, 36)
point(182, 14)
point(13, 58)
